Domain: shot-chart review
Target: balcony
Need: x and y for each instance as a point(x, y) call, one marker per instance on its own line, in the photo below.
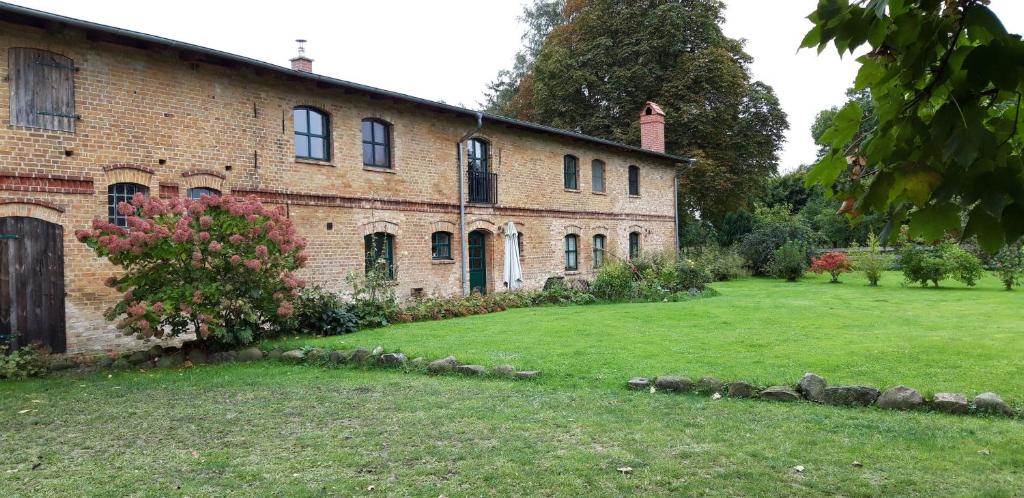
point(483, 187)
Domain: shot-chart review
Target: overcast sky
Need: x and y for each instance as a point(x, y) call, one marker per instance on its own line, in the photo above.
point(449, 49)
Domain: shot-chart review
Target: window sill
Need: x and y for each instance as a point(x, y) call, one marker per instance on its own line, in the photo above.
point(573, 190)
point(317, 162)
point(631, 196)
point(599, 193)
point(379, 169)
point(442, 261)
point(570, 273)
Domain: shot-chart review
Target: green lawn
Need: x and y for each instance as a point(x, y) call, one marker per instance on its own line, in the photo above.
point(765, 331)
point(273, 429)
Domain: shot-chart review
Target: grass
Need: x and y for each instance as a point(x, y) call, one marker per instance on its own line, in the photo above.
point(765, 331)
point(272, 429)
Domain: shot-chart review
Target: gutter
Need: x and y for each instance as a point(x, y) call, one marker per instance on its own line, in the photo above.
point(463, 242)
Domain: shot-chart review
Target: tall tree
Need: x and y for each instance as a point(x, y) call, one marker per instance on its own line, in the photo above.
point(606, 58)
point(540, 18)
point(946, 82)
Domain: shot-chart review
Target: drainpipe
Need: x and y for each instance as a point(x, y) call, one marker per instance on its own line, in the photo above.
point(463, 243)
point(689, 164)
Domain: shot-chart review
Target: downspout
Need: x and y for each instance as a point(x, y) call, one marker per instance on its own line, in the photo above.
point(463, 243)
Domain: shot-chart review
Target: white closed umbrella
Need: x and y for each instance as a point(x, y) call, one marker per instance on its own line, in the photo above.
point(513, 270)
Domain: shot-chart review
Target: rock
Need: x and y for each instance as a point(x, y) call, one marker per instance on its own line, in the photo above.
point(710, 385)
point(121, 364)
point(224, 357)
point(377, 351)
point(157, 351)
point(740, 389)
point(316, 355)
point(638, 383)
point(198, 357)
point(360, 355)
point(61, 363)
point(900, 398)
point(812, 386)
point(527, 374)
point(338, 357)
point(780, 393)
point(171, 361)
point(392, 359)
point(275, 354)
point(442, 365)
point(992, 403)
point(674, 383)
point(850, 395)
point(250, 354)
point(293, 356)
point(105, 362)
point(951, 403)
point(471, 369)
point(138, 357)
point(417, 362)
point(504, 370)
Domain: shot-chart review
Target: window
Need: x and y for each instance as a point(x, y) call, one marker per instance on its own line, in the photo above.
point(478, 155)
point(571, 252)
point(376, 143)
point(312, 132)
point(634, 244)
point(118, 193)
point(441, 245)
point(42, 89)
point(522, 245)
point(599, 243)
point(197, 192)
point(597, 175)
point(634, 180)
point(380, 250)
point(572, 173)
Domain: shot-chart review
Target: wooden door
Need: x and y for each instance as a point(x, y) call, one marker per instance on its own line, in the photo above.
point(477, 242)
point(32, 283)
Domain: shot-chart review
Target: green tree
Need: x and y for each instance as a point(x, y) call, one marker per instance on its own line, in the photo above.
point(946, 82)
point(606, 58)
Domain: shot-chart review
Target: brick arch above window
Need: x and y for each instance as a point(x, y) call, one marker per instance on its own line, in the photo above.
point(32, 208)
point(127, 173)
point(573, 230)
point(482, 224)
point(443, 226)
point(379, 226)
point(203, 179)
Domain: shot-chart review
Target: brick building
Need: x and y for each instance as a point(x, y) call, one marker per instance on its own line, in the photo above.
point(92, 114)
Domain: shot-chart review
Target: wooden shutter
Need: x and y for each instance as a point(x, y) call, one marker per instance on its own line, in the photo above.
point(42, 89)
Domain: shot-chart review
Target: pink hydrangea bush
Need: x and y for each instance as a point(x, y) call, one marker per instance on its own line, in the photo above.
point(222, 267)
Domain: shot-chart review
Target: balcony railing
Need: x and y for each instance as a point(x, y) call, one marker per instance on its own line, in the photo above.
point(483, 187)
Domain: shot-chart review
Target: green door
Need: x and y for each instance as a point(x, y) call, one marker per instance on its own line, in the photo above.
point(477, 262)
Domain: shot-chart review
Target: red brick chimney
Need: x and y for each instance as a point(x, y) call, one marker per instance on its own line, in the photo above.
point(652, 128)
point(302, 63)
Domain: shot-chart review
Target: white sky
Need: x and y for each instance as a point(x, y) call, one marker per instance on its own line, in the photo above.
point(449, 49)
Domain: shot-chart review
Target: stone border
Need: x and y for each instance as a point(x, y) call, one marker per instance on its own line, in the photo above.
point(813, 388)
point(379, 358)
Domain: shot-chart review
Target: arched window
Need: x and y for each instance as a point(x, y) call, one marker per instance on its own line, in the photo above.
point(634, 180)
point(312, 134)
point(376, 143)
point(597, 175)
point(118, 193)
point(634, 244)
point(197, 192)
point(441, 245)
point(571, 252)
point(571, 172)
point(599, 244)
point(380, 252)
point(478, 155)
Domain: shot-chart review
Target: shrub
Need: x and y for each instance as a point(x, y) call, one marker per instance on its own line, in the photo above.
point(322, 312)
point(28, 361)
point(373, 297)
point(922, 265)
point(219, 266)
point(834, 263)
point(1008, 265)
point(962, 265)
point(789, 261)
point(872, 262)
point(759, 246)
point(735, 225)
point(689, 275)
point(721, 264)
point(614, 282)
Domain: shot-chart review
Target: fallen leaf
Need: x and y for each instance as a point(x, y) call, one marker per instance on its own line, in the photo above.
point(23, 412)
point(653, 390)
point(625, 470)
point(371, 487)
point(983, 452)
point(716, 396)
point(799, 468)
point(857, 464)
point(195, 454)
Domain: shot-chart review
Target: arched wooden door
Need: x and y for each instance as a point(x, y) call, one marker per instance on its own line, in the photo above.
point(32, 283)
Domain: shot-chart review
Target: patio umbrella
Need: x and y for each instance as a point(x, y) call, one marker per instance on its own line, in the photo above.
point(513, 270)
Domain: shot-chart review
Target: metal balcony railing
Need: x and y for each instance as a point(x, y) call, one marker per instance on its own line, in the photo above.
point(483, 187)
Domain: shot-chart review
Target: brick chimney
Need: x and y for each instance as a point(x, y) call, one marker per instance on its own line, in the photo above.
point(652, 128)
point(302, 63)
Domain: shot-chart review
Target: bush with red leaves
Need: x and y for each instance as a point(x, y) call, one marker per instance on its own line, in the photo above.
point(835, 263)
